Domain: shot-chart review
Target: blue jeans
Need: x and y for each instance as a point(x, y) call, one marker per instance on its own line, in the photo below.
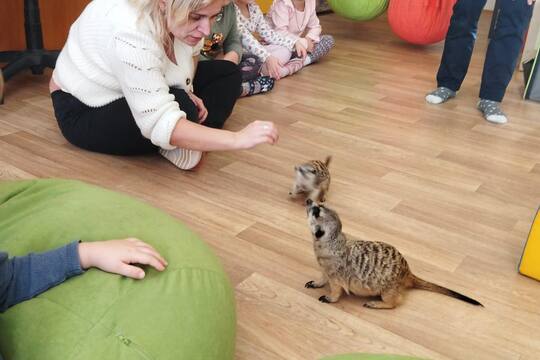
point(511, 22)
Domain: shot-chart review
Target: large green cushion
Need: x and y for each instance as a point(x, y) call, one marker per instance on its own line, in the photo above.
point(186, 312)
point(369, 357)
point(359, 10)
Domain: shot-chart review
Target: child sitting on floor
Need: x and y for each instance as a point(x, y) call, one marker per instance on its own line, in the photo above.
point(224, 43)
point(297, 19)
point(268, 59)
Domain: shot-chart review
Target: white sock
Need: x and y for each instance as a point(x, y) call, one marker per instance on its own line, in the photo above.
point(434, 99)
point(492, 111)
point(497, 119)
point(440, 95)
point(183, 158)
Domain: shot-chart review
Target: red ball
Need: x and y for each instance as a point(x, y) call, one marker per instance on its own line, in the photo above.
point(420, 22)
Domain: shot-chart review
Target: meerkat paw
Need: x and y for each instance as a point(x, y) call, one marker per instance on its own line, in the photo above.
point(379, 305)
point(313, 285)
point(293, 194)
point(325, 299)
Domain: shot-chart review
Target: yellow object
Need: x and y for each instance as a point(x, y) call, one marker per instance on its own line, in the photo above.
point(530, 260)
point(265, 5)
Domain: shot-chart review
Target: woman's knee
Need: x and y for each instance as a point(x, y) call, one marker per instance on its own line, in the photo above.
point(186, 104)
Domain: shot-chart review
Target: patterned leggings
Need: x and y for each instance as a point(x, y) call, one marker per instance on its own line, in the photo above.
point(321, 48)
point(250, 66)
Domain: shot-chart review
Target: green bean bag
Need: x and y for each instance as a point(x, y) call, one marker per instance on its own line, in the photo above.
point(185, 312)
point(359, 10)
point(369, 357)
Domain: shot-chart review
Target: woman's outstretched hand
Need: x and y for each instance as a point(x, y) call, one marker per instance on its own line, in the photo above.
point(257, 132)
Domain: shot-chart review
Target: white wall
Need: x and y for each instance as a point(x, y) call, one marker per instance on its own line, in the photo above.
point(533, 38)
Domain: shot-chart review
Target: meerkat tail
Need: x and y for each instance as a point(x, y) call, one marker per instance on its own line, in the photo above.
point(327, 160)
point(418, 283)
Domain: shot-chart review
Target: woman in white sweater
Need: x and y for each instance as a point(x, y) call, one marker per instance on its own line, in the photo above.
point(123, 83)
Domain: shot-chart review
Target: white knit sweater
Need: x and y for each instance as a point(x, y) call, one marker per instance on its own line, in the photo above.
point(112, 53)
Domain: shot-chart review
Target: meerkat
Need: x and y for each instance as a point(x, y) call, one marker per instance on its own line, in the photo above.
point(363, 268)
point(312, 179)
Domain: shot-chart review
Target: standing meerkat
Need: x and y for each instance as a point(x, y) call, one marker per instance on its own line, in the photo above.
point(363, 268)
point(313, 179)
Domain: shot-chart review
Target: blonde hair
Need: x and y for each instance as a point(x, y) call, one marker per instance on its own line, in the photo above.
point(175, 12)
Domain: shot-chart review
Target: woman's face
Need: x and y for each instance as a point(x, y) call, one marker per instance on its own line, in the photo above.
point(198, 24)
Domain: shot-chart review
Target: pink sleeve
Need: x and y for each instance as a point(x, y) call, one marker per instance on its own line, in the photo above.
point(279, 13)
point(314, 26)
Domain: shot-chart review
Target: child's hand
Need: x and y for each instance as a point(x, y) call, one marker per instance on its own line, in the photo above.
point(301, 50)
point(257, 132)
point(116, 256)
point(273, 67)
point(310, 44)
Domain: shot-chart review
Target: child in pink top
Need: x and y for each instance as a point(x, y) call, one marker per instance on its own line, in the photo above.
point(297, 19)
point(251, 20)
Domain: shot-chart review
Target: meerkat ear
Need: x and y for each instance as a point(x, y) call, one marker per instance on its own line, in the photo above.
point(319, 233)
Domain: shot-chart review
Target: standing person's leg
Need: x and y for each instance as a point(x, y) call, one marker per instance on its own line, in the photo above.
point(511, 22)
point(218, 84)
point(458, 49)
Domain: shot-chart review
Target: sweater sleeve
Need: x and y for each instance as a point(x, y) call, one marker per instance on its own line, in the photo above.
point(137, 63)
point(249, 42)
point(22, 278)
point(279, 15)
point(268, 34)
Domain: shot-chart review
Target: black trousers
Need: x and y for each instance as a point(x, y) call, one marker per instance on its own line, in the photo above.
point(111, 129)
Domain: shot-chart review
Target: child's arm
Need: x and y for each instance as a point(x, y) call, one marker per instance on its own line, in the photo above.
point(268, 34)
point(279, 13)
point(249, 42)
point(22, 278)
point(273, 37)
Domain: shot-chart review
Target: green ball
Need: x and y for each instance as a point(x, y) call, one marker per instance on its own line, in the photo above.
point(185, 312)
point(359, 10)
